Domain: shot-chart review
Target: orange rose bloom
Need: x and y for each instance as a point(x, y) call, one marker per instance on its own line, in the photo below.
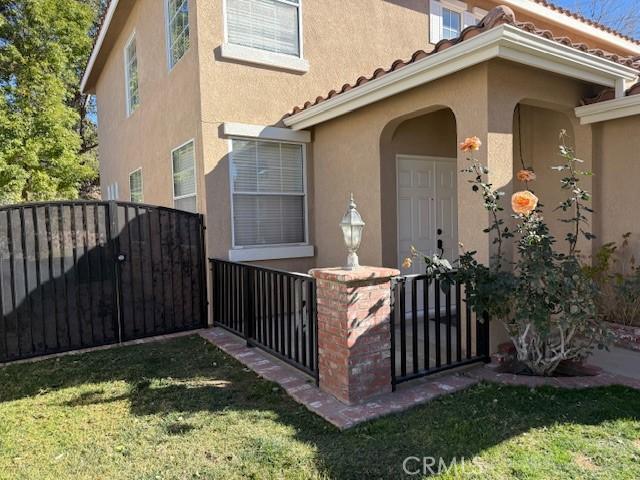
point(526, 176)
point(524, 202)
point(470, 144)
point(407, 263)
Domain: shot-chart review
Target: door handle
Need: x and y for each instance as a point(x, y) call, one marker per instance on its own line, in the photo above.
point(440, 247)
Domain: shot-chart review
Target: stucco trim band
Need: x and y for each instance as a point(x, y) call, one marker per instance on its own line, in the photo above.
point(506, 41)
point(262, 57)
point(608, 110)
point(232, 129)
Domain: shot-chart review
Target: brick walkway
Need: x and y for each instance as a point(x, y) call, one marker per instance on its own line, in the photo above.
point(302, 388)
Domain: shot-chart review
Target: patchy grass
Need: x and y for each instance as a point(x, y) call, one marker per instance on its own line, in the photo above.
point(183, 409)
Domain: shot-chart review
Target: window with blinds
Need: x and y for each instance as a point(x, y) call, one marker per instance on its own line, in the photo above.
point(268, 188)
point(271, 25)
point(177, 29)
point(131, 76)
point(135, 186)
point(184, 178)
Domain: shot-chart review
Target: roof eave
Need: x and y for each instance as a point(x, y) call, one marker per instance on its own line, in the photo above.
point(505, 41)
point(104, 28)
point(608, 110)
point(548, 14)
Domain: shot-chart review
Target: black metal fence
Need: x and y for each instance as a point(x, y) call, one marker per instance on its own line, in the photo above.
point(272, 309)
point(432, 330)
point(81, 274)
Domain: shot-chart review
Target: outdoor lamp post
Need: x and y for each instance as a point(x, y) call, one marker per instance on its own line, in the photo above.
point(352, 226)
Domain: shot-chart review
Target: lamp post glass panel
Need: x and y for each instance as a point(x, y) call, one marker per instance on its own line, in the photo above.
point(352, 226)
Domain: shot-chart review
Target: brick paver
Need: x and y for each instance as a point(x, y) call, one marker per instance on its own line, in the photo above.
point(303, 389)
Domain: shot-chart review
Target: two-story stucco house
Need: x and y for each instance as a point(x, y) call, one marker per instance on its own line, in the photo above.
point(195, 102)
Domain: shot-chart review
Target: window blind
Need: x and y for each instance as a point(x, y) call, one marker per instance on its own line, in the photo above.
point(270, 25)
point(268, 193)
point(184, 178)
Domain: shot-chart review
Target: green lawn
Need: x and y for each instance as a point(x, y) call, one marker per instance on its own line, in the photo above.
point(182, 409)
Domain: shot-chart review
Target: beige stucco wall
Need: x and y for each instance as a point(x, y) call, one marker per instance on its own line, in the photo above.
point(168, 114)
point(204, 90)
point(539, 143)
point(368, 34)
point(616, 189)
point(357, 145)
point(482, 98)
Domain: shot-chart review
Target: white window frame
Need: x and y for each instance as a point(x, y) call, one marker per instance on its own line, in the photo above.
point(278, 250)
point(139, 169)
point(195, 175)
point(257, 56)
point(167, 28)
point(435, 18)
point(126, 76)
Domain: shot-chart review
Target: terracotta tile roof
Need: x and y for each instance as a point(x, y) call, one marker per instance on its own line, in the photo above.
point(500, 15)
point(610, 94)
point(586, 20)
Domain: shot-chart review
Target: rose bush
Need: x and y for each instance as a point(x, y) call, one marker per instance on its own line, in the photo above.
point(543, 297)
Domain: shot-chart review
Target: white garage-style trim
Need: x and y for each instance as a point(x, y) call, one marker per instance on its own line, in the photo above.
point(609, 110)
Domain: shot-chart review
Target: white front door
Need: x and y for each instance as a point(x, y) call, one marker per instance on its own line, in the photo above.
point(427, 207)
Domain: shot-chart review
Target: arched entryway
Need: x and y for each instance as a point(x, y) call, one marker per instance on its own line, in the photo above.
point(536, 140)
point(419, 187)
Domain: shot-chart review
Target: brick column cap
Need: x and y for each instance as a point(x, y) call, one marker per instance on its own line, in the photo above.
point(361, 274)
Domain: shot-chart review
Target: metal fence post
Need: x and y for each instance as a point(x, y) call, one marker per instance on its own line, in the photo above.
point(392, 329)
point(482, 338)
point(247, 304)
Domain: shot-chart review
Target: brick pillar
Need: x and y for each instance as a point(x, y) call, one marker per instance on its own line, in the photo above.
point(354, 339)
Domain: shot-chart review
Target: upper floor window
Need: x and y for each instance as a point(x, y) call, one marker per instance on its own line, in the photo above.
point(270, 25)
point(447, 19)
point(268, 193)
point(184, 178)
point(135, 186)
point(131, 75)
point(112, 191)
point(451, 23)
point(177, 29)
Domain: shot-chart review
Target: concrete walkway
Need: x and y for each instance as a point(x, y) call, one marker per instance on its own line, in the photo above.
point(618, 361)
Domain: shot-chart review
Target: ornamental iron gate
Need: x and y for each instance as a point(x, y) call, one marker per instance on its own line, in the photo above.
point(81, 274)
point(433, 329)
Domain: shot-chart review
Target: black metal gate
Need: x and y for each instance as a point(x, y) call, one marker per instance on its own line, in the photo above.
point(82, 274)
point(433, 330)
point(272, 309)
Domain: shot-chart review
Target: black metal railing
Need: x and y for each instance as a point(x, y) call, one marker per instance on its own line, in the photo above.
point(433, 330)
point(272, 309)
